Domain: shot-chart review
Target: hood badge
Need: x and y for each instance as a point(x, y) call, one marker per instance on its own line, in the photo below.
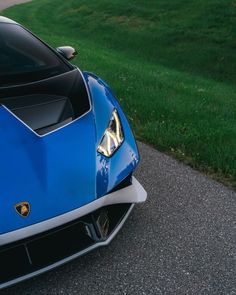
point(23, 209)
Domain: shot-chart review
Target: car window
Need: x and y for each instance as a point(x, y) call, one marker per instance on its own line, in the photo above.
point(24, 58)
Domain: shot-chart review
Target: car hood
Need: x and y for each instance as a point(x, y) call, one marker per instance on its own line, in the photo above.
point(55, 173)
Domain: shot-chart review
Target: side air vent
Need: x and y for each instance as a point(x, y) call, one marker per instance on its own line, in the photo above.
point(123, 184)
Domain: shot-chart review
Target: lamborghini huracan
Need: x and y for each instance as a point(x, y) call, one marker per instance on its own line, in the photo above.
point(67, 158)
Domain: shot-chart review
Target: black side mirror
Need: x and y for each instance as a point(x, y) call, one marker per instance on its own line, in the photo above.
point(67, 52)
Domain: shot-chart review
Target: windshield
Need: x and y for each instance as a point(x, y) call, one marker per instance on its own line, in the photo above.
point(24, 58)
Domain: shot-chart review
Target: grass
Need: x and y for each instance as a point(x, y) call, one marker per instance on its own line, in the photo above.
point(172, 65)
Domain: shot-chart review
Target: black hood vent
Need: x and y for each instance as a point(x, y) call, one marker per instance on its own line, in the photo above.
point(50, 104)
point(42, 113)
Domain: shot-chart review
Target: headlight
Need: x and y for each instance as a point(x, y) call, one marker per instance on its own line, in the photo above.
point(113, 136)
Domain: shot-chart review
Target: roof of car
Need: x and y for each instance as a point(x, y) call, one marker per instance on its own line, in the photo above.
point(6, 20)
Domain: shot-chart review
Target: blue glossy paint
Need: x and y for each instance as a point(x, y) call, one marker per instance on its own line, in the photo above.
point(62, 170)
point(55, 173)
point(110, 171)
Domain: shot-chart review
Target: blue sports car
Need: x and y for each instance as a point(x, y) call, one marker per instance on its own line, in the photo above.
point(67, 158)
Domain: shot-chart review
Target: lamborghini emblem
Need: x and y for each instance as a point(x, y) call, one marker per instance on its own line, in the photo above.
point(23, 209)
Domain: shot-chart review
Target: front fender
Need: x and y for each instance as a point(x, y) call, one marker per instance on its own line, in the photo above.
point(110, 171)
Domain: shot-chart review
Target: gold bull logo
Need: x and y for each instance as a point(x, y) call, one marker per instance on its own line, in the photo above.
point(23, 209)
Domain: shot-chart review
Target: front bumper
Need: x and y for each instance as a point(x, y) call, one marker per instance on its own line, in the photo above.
point(41, 247)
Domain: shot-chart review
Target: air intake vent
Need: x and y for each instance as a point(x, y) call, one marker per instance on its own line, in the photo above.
point(44, 250)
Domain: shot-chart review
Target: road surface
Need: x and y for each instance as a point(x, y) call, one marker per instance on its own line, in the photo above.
point(7, 3)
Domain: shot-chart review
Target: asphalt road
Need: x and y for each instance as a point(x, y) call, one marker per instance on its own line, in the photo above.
point(181, 241)
point(7, 3)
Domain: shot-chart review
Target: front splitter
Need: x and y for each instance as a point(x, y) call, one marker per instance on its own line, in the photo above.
point(38, 254)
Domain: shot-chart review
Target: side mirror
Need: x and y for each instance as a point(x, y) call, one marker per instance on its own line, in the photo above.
point(67, 52)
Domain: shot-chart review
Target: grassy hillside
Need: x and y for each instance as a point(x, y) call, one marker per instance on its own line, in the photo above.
point(172, 65)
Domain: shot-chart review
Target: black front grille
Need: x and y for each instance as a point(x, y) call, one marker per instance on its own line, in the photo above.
point(58, 245)
point(40, 251)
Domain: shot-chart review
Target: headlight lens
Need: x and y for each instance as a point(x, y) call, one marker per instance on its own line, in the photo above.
point(113, 136)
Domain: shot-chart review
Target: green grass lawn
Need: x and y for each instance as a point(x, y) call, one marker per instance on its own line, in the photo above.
point(172, 65)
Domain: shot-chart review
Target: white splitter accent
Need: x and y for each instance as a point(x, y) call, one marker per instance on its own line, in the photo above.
point(134, 193)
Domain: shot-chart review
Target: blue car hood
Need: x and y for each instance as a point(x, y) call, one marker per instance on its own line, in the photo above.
point(55, 173)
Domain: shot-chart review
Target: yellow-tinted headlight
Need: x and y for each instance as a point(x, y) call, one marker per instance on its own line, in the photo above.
point(113, 136)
